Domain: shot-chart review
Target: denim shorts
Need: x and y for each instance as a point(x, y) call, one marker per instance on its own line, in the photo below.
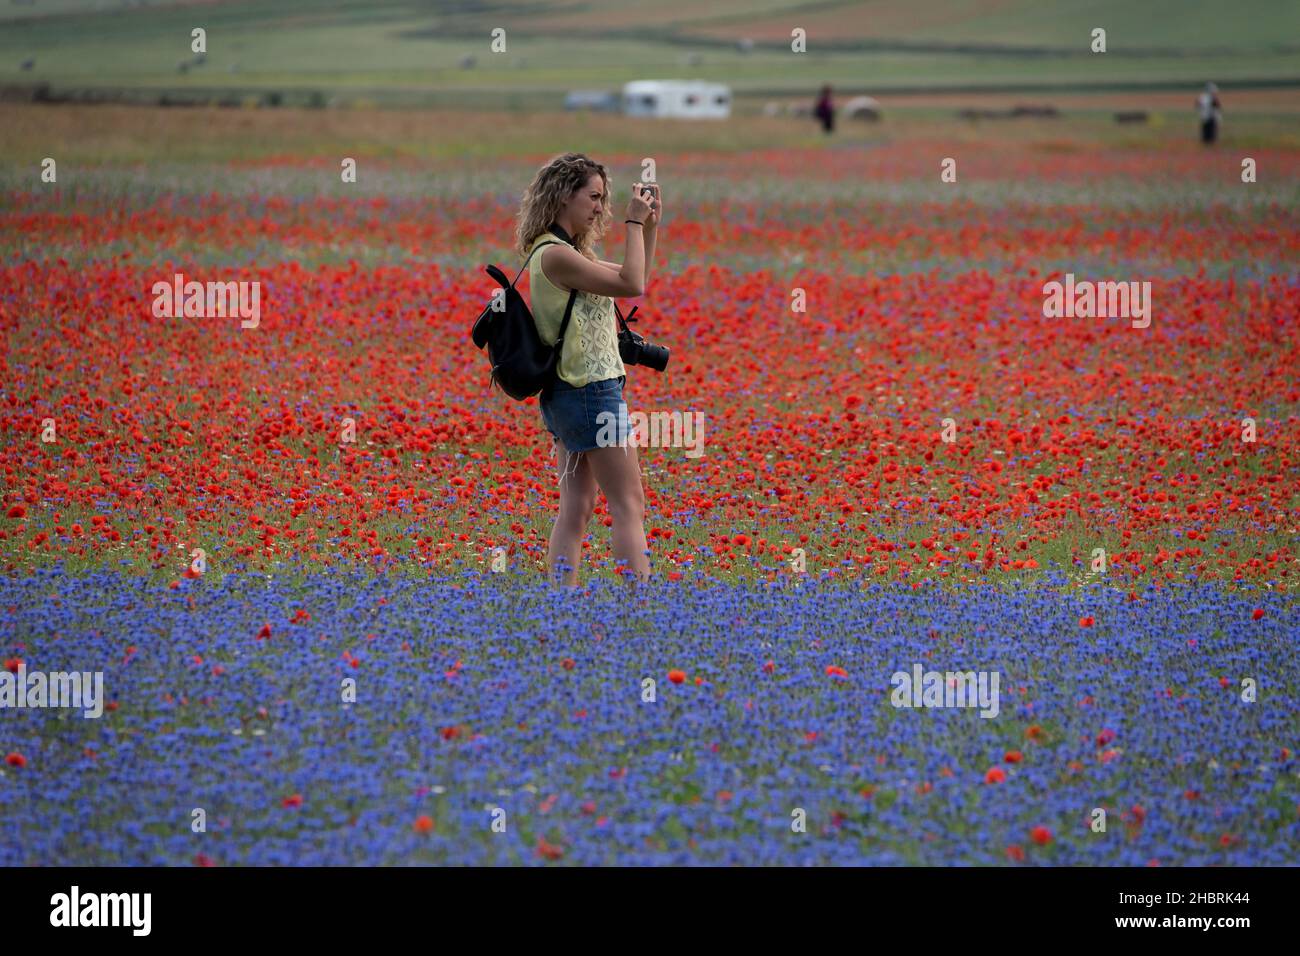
point(593, 416)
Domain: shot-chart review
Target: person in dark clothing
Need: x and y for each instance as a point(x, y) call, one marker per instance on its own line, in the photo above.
point(824, 111)
point(1211, 111)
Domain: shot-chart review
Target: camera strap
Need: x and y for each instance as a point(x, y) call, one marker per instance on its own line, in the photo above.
point(624, 321)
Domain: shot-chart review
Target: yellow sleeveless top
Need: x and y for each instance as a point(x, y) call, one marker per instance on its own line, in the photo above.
point(590, 352)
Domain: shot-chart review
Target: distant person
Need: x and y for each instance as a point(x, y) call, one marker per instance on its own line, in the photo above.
point(1211, 113)
point(825, 111)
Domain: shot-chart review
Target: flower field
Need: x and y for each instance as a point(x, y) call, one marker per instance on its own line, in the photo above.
point(904, 462)
point(768, 700)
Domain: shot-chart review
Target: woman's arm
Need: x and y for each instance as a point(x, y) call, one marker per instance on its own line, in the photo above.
point(569, 269)
point(649, 257)
point(649, 254)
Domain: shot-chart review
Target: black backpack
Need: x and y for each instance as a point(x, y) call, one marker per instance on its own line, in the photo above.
point(522, 364)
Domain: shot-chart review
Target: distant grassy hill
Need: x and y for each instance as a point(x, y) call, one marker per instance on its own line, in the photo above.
point(417, 51)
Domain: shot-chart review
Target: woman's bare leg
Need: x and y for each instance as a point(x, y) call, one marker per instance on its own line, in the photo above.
point(618, 473)
point(577, 503)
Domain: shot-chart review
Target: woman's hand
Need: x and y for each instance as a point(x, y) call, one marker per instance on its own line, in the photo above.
point(656, 209)
point(638, 207)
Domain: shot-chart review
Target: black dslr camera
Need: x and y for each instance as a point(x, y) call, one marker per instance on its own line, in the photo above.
point(633, 349)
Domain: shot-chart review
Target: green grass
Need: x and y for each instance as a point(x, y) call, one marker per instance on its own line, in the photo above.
point(410, 52)
point(1032, 25)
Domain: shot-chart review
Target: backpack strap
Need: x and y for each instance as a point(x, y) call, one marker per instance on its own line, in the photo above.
point(548, 242)
point(479, 333)
point(564, 324)
point(559, 341)
point(568, 308)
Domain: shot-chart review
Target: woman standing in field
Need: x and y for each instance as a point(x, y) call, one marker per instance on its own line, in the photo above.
point(569, 199)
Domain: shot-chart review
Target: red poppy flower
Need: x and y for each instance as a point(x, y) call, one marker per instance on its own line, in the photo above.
point(548, 851)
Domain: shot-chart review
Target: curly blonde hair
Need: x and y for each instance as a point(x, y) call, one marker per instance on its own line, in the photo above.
point(550, 191)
